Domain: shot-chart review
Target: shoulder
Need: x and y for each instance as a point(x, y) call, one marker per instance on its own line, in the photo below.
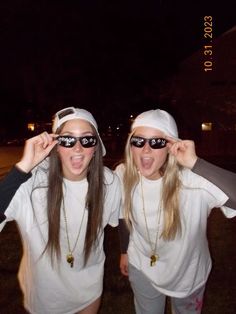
point(42, 167)
point(40, 174)
point(190, 179)
point(187, 175)
point(120, 169)
point(110, 176)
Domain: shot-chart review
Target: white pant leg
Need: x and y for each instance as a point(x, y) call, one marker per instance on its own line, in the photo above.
point(147, 299)
point(189, 305)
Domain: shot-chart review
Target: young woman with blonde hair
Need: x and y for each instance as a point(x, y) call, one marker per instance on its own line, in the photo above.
point(164, 215)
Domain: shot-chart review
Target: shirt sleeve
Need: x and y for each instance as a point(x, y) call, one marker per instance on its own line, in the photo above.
point(228, 212)
point(113, 200)
point(212, 195)
point(8, 187)
point(223, 179)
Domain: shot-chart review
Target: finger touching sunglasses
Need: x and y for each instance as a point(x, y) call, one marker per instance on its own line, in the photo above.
point(184, 151)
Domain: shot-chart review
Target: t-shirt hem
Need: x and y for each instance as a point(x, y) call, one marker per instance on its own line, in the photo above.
point(177, 294)
point(70, 312)
point(113, 224)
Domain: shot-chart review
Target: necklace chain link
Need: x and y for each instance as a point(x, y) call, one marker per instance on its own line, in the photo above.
point(70, 257)
point(154, 256)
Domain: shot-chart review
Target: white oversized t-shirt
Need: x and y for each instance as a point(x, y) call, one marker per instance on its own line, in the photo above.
point(62, 289)
point(184, 263)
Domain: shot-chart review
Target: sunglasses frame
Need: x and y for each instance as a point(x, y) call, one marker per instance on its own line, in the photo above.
point(139, 142)
point(70, 140)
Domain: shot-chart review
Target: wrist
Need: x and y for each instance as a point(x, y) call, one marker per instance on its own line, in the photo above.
point(193, 162)
point(22, 167)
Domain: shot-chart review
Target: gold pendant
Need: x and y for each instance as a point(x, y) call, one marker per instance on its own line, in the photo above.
point(70, 259)
point(153, 259)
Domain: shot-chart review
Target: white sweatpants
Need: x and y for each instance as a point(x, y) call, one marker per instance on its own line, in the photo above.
point(148, 300)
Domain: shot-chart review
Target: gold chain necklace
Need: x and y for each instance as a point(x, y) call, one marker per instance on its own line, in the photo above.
point(154, 256)
point(70, 257)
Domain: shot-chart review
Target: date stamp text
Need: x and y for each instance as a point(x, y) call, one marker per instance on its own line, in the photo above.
point(208, 46)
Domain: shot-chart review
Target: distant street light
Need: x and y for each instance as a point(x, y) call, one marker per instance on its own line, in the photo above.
point(207, 126)
point(31, 127)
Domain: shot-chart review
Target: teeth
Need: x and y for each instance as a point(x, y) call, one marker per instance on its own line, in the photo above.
point(146, 158)
point(76, 158)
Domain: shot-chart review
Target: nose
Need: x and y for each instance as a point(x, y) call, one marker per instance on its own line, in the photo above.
point(146, 147)
point(78, 146)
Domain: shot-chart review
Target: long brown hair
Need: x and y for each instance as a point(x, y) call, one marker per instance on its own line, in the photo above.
point(94, 201)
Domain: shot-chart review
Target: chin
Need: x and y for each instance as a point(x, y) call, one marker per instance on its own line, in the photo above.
point(152, 175)
point(146, 173)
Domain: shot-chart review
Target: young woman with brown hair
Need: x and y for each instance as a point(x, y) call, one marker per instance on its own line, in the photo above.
point(62, 208)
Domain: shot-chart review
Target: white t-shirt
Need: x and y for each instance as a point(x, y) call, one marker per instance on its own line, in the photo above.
point(184, 263)
point(62, 289)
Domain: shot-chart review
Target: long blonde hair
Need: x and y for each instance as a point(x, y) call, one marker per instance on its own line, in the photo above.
point(169, 197)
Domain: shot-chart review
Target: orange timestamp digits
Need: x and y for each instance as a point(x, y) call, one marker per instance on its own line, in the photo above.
point(207, 48)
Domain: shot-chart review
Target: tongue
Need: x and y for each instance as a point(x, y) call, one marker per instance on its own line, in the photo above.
point(76, 163)
point(146, 163)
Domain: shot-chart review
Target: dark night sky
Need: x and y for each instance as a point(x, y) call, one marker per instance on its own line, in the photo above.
point(105, 56)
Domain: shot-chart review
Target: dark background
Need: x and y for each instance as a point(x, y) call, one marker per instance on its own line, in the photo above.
point(106, 56)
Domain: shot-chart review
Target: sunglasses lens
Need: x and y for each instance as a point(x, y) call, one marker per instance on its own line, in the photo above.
point(70, 141)
point(157, 143)
point(137, 141)
point(66, 141)
point(88, 141)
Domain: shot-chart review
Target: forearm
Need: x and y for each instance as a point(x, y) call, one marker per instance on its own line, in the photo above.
point(224, 179)
point(123, 236)
point(8, 187)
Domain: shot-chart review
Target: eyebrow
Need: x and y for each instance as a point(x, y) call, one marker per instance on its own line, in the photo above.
point(148, 137)
point(81, 134)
